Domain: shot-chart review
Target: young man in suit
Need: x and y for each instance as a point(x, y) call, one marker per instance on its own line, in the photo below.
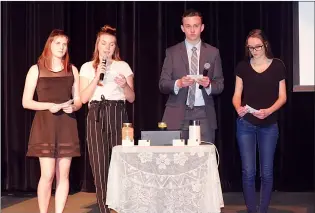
point(187, 101)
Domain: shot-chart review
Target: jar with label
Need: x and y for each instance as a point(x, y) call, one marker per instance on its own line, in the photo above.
point(127, 131)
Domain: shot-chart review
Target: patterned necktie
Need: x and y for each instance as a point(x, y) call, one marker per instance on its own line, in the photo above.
point(193, 71)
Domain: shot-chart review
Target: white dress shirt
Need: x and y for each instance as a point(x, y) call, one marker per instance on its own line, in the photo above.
point(199, 101)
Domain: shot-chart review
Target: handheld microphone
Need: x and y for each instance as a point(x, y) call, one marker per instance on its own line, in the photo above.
point(102, 74)
point(206, 68)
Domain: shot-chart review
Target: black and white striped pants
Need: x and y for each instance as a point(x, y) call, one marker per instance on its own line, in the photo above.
point(104, 125)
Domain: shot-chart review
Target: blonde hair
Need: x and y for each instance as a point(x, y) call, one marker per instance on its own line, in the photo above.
point(106, 30)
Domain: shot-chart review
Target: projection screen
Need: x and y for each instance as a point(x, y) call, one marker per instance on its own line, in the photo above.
point(303, 47)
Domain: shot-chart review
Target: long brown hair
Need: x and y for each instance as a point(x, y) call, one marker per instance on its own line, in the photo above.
point(109, 31)
point(257, 33)
point(45, 57)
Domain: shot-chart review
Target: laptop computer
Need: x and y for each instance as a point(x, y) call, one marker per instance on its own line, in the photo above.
point(160, 137)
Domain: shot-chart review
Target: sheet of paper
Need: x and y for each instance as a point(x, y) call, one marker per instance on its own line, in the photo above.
point(250, 109)
point(66, 103)
point(195, 77)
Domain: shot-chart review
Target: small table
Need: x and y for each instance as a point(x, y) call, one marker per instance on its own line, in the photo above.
point(164, 179)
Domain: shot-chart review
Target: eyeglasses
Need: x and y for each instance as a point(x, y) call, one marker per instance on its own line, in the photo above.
point(258, 48)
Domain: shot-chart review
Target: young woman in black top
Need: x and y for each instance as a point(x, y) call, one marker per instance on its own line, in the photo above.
point(260, 91)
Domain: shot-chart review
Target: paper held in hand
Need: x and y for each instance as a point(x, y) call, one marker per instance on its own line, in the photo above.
point(67, 103)
point(195, 77)
point(250, 109)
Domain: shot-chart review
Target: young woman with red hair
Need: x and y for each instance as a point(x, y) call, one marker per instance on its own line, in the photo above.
point(54, 135)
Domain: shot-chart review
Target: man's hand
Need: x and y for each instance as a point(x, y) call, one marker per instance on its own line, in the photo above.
point(185, 82)
point(204, 81)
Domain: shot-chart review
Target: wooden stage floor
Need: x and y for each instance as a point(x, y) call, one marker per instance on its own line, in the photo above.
point(82, 202)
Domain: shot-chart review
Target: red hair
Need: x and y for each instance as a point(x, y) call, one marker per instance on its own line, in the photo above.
point(45, 57)
point(109, 31)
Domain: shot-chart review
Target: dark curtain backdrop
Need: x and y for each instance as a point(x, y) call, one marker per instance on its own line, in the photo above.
point(145, 30)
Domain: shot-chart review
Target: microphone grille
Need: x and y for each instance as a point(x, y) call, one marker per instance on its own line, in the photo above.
point(206, 66)
point(104, 61)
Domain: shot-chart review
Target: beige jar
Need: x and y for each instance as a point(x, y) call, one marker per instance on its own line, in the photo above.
point(127, 131)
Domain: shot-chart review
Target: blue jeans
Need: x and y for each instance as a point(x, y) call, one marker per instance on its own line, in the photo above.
point(248, 136)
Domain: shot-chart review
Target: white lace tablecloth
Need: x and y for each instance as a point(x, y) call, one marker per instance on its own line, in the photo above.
point(164, 179)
